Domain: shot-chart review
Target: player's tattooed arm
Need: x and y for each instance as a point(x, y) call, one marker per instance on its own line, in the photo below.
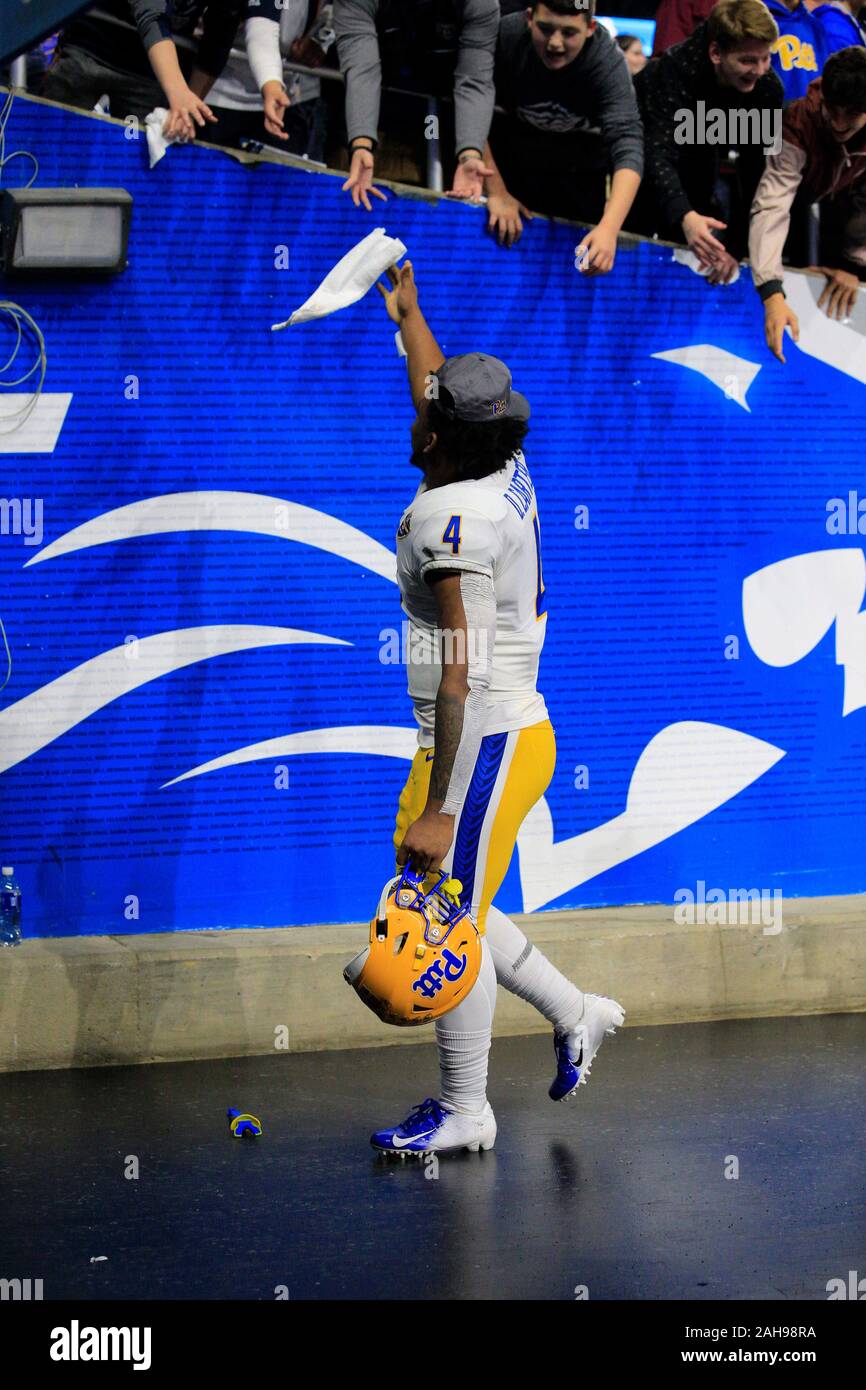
point(450, 707)
point(428, 839)
point(466, 605)
point(422, 350)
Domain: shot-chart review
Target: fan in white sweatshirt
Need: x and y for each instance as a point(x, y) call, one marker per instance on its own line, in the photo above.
point(268, 38)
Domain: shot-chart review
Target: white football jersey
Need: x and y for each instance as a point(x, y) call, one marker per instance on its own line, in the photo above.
point(489, 526)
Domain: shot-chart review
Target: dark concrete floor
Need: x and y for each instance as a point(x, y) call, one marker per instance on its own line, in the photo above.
point(623, 1190)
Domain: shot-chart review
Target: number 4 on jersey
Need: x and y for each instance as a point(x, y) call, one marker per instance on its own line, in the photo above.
point(451, 535)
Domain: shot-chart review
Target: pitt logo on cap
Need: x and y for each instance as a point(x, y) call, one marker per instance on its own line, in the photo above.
point(497, 407)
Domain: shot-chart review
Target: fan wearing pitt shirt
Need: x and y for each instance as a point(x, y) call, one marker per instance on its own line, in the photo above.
point(471, 583)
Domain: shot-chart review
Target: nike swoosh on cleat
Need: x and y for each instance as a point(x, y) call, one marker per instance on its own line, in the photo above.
point(578, 1060)
point(401, 1143)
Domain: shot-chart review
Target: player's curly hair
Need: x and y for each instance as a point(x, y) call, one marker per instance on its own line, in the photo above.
point(476, 450)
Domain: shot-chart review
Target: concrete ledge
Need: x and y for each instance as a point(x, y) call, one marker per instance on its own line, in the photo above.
point(104, 1001)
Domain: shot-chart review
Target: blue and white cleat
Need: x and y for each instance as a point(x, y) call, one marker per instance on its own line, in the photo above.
point(576, 1049)
point(431, 1128)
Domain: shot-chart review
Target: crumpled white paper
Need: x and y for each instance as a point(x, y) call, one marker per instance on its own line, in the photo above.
point(156, 141)
point(685, 257)
point(350, 279)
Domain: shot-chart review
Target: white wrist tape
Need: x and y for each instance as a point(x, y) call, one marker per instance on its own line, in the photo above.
point(479, 605)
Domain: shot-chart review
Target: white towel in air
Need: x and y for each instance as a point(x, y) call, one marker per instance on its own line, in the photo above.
point(350, 278)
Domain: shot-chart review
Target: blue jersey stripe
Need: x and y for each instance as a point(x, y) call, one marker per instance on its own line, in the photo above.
point(487, 766)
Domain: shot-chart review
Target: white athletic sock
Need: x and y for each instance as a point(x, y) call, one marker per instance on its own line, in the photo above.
point(522, 969)
point(463, 1039)
point(463, 1069)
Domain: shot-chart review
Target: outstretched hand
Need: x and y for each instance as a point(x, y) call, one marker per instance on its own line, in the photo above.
point(778, 315)
point(724, 270)
point(597, 252)
point(360, 180)
point(504, 218)
point(275, 100)
point(839, 295)
point(469, 179)
point(186, 111)
point(402, 297)
point(699, 232)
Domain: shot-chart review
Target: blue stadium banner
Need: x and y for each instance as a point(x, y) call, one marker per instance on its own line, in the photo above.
point(206, 721)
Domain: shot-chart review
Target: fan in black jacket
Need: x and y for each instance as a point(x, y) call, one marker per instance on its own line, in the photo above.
point(713, 93)
point(130, 56)
point(569, 116)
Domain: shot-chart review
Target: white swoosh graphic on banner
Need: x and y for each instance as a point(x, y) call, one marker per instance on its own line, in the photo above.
point(39, 433)
point(733, 375)
point(227, 511)
point(380, 740)
point(790, 606)
point(41, 717)
point(837, 344)
point(686, 771)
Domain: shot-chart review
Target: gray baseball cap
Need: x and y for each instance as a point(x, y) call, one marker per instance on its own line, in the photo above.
point(480, 389)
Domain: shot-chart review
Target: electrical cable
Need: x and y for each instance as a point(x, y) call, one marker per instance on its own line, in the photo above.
point(17, 314)
point(16, 154)
point(13, 420)
point(8, 657)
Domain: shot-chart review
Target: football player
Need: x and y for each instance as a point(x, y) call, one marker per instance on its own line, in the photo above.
point(471, 584)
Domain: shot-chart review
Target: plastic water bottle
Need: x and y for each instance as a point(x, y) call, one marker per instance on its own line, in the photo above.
point(10, 908)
